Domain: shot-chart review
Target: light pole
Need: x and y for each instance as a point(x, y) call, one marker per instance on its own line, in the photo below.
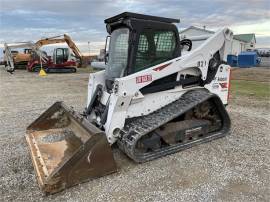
point(89, 47)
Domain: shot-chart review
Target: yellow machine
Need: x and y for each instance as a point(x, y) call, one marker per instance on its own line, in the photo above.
point(23, 58)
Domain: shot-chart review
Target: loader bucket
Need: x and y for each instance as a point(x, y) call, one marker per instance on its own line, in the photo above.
point(66, 149)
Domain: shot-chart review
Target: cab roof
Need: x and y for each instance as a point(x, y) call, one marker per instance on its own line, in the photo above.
point(127, 15)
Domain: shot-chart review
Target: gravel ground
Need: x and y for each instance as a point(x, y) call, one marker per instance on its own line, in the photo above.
point(234, 168)
point(261, 74)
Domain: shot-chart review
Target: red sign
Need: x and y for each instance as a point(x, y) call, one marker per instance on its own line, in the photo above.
point(223, 85)
point(159, 68)
point(144, 78)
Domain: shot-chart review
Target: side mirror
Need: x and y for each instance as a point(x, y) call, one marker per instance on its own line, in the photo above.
point(186, 44)
point(106, 57)
point(106, 54)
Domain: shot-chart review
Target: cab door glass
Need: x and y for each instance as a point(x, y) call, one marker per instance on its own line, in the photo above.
point(118, 53)
point(59, 56)
point(66, 53)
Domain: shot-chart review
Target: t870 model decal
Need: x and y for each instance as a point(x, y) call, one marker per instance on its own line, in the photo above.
point(144, 78)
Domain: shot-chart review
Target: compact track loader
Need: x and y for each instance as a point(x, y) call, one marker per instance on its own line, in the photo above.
point(156, 97)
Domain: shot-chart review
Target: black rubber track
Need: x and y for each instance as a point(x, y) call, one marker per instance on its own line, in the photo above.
point(61, 70)
point(135, 128)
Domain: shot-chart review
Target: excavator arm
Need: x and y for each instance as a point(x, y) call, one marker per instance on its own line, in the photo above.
point(72, 46)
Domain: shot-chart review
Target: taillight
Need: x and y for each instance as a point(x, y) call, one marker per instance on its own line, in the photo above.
point(229, 85)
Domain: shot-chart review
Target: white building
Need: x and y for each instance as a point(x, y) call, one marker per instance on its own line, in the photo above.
point(196, 34)
point(241, 42)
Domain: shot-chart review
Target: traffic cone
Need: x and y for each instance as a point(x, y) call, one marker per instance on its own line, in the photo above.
point(42, 72)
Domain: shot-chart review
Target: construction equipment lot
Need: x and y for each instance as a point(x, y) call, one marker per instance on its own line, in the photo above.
point(234, 168)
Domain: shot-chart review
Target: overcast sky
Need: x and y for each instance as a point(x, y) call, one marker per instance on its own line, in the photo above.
point(83, 20)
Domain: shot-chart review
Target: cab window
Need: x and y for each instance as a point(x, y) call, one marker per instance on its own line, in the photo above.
point(154, 47)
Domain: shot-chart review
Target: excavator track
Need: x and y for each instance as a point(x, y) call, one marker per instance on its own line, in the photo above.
point(61, 70)
point(138, 128)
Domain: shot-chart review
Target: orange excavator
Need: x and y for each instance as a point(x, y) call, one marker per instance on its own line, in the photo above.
point(63, 59)
point(22, 58)
point(14, 59)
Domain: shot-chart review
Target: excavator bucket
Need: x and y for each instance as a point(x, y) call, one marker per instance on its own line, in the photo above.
point(66, 149)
